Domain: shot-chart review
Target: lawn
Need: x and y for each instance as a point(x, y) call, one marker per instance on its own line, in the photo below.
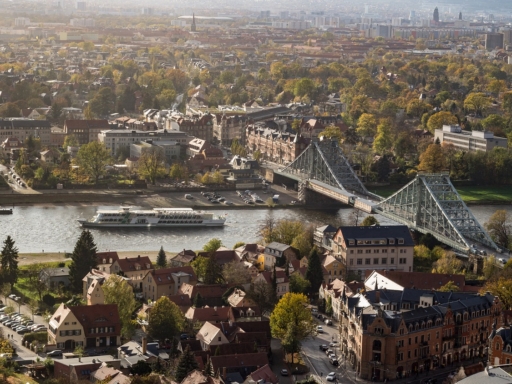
point(470, 194)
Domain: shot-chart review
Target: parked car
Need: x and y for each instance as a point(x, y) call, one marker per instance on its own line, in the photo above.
point(319, 329)
point(331, 376)
point(284, 372)
point(189, 196)
point(328, 322)
point(329, 352)
point(334, 344)
point(184, 336)
point(334, 361)
point(55, 353)
point(324, 347)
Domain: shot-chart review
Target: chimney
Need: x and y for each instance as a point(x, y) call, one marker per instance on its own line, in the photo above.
point(224, 373)
point(138, 256)
point(144, 345)
point(377, 297)
point(215, 308)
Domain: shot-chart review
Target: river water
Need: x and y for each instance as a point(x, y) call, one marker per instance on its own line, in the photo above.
point(55, 229)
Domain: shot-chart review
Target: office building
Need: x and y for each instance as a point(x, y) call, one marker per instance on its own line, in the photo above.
point(469, 141)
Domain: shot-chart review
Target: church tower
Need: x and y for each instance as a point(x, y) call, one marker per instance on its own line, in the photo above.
point(193, 25)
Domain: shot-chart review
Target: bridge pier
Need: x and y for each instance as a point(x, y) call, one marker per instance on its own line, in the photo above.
point(318, 200)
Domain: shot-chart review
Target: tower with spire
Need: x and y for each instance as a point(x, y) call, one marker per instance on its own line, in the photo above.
point(436, 15)
point(193, 27)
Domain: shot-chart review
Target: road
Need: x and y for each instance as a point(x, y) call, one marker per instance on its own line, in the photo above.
point(15, 187)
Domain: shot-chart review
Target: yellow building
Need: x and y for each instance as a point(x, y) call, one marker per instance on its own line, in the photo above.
point(333, 269)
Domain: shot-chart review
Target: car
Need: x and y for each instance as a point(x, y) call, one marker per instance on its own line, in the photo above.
point(329, 352)
point(314, 310)
point(22, 331)
point(215, 201)
point(328, 322)
point(284, 372)
point(332, 356)
point(222, 199)
point(324, 347)
point(54, 353)
point(331, 376)
point(12, 296)
point(319, 329)
point(334, 344)
point(228, 202)
point(334, 361)
point(502, 261)
point(184, 336)
point(189, 196)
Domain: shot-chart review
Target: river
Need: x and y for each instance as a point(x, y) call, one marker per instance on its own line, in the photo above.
point(55, 229)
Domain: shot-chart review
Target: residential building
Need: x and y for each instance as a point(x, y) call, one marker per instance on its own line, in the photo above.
point(500, 345)
point(117, 139)
point(198, 377)
point(277, 254)
point(107, 374)
point(213, 315)
point(169, 150)
point(166, 281)
point(335, 290)
point(55, 277)
point(85, 131)
point(133, 351)
point(211, 293)
point(84, 325)
point(95, 294)
point(104, 260)
point(264, 373)
point(134, 268)
point(396, 334)
point(333, 268)
point(323, 237)
point(229, 128)
point(282, 281)
point(21, 129)
point(469, 141)
point(274, 141)
point(239, 299)
point(50, 156)
point(197, 126)
point(210, 335)
point(222, 256)
point(93, 276)
point(241, 364)
point(374, 248)
point(80, 369)
point(399, 280)
point(183, 258)
point(489, 375)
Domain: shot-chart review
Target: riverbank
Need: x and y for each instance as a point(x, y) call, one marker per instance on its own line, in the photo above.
point(47, 257)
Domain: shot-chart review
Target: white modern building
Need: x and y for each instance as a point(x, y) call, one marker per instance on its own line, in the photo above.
point(469, 141)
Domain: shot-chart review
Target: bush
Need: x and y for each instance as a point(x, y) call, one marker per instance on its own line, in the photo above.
point(40, 337)
point(49, 300)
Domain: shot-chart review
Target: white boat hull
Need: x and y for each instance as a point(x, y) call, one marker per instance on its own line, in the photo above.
point(88, 224)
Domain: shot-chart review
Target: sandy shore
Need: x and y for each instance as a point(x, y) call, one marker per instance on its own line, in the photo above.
point(33, 258)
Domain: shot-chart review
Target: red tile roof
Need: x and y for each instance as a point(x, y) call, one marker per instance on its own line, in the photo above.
point(164, 275)
point(131, 264)
point(265, 374)
point(239, 361)
point(98, 316)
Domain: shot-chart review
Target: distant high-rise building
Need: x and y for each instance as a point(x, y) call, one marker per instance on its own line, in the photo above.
point(81, 5)
point(146, 11)
point(493, 41)
point(21, 21)
point(366, 8)
point(460, 15)
point(412, 15)
point(436, 15)
point(193, 27)
point(264, 14)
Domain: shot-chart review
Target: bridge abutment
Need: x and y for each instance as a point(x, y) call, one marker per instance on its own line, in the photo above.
point(317, 200)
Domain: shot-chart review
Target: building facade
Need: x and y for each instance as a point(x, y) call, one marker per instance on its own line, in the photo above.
point(469, 141)
point(200, 127)
point(228, 128)
point(85, 131)
point(21, 129)
point(389, 340)
point(374, 248)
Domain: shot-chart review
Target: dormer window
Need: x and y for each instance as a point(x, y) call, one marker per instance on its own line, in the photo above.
point(400, 241)
point(104, 261)
point(391, 241)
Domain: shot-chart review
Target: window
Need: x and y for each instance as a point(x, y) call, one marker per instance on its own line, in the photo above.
point(400, 241)
point(402, 260)
point(359, 251)
point(359, 261)
point(384, 251)
point(391, 241)
point(367, 261)
point(376, 250)
point(384, 260)
point(400, 356)
point(392, 261)
point(219, 338)
point(351, 262)
point(351, 251)
point(368, 251)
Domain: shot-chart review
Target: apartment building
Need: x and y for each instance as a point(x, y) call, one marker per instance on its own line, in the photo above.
point(228, 128)
point(134, 268)
point(200, 127)
point(469, 141)
point(85, 131)
point(166, 281)
point(21, 129)
point(123, 138)
point(374, 248)
point(395, 334)
point(169, 150)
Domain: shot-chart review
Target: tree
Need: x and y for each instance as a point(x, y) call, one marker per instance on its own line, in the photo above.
point(213, 272)
point(83, 259)
point(33, 281)
point(302, 244)
point(477, 102)
point(328, 306)
point(437, 120)
point(449, 287)
point(141, 368)
point(384, 139)
point(369, 221)
point(501, 287)
point(290, 321)
point(238, 244)
point(366, 125)
point(70, 141)
point(161, 259)
point(263, 295)
point(103, 102)
point(298, 284)
point(217, 178)
point(290, 343)
point(332, 132)
point(198, 301)
point(235, 272)
point(432, 160)
point(9, 110)
point(9, 261)
point(92, 159)
point(186, 364)
point(498, 227)
point(165, 320)
point(314, 273)
point(151, 164)
point(355, 215)
point(199, 266)
point(304, 87)
point(448, 263)
point(118, 291)
point(212, 245)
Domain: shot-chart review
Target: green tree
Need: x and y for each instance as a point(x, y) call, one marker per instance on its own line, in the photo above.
point(369, 221)
point(9, 110)
point(477, 102)
point(302, 244)
point(9, 262)
point(449, 287)
point(33, 281)
point(331, 132)
point(328, 306)
point(198, 301)
point(151, 164)
point(92, 159)
point(141, 368)
point(290, 321)
point(304, 87)
point(199, 266)
point(366, 125)
point(448, 263)
point(290, 342)
point(83, 259)
point(166, 319)
point(498, 227)
point(118, 291)
point(212, 245)
point(161, 259)
point(186, 364)
point(70, 141)
point(217, 178)
point(298, 284)
point(238, 244)
point(437, 120)
point(432, 160)
point(213, 272)
point(103, 102)
point(314, 273)
point(177, 171)
point(384, 139)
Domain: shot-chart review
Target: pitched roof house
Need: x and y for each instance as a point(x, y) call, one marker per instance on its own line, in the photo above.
point(166, 281)
point(134, 268)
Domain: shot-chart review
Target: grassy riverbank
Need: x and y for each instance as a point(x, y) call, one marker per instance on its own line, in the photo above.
point(470, 194)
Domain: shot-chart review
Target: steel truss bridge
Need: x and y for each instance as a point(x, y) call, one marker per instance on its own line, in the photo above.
point(428, 204)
